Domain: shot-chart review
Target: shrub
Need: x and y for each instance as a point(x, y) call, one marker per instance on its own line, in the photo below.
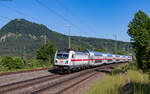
point(34, 63)
point(125, 68)
point(12, 63)
point(46, 52)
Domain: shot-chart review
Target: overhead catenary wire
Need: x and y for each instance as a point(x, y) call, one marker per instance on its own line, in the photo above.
point(54, 12)
point(85, 34)
point(60, 16)
point(64, 19)
point(19, 12)
point(92, 31)
point(3, 20)
point(67, 10)
point(51, 10)
point(22, 13)
point(3, 17)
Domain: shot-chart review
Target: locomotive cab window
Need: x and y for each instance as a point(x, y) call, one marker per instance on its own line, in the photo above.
point(62, 56)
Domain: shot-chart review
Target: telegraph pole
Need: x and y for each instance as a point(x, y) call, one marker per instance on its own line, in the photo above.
point(45, 39)
point(115, 36)
point(24, 53)
point(69, 37)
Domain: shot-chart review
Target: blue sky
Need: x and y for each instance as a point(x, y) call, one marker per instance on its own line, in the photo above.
point(91, 18)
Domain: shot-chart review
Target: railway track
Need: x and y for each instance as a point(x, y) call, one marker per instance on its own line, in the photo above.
point(58, 83)
point(63, 90)
point(80, 81)
point(25, 71)
point(51, 88)
point(68, 81)
point(26, 83)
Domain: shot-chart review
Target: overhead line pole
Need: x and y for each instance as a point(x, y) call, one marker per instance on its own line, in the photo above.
point(115, 36)
point(45, 38)
point(69, 37)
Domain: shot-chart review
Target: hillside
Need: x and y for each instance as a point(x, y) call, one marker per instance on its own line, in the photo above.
point(22, 37)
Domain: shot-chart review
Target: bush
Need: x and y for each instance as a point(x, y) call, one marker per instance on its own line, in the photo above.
point(34, 63)
point(124, 68)
point(8, 64)
point(12, 63)
point(46, 52)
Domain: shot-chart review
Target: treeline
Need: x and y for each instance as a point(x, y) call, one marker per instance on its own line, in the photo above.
point(44, 58)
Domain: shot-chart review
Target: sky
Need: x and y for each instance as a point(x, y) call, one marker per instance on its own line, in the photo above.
point(88, 18)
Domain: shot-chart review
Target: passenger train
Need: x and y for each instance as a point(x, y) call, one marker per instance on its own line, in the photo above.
point(70, 60)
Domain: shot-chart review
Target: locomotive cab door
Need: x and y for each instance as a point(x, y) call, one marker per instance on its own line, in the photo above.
point(91, 59)
point(72, 57)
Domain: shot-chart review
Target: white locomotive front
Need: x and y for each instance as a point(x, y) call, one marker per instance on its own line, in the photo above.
point(68, 60)
point(61, 60)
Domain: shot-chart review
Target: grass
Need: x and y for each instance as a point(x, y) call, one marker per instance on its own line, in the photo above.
point(114, 83)
point(140, 82)
point(109, 85)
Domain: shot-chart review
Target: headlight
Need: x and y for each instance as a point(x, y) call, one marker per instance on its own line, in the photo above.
point(66, 62)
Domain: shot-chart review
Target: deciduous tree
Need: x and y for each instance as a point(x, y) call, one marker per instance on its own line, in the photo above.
point(139, 31)
point(46, 52)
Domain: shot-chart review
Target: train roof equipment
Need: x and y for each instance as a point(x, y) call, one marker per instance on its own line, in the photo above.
point(96, 53)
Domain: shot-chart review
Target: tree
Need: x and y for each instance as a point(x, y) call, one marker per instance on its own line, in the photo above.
point(139, 31)
point(121, 52)
point(46, 52)
point(99, 50)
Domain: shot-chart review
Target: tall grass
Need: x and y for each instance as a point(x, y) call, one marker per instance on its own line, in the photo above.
point(140, 82)
point(109, 85)
point(113, 84)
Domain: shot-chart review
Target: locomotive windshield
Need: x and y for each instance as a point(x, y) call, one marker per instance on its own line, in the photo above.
point(62, 56)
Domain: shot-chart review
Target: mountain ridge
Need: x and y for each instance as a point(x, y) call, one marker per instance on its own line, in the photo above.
point(20, 35)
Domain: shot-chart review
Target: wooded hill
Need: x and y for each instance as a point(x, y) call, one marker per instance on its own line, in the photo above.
point(22, 37)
